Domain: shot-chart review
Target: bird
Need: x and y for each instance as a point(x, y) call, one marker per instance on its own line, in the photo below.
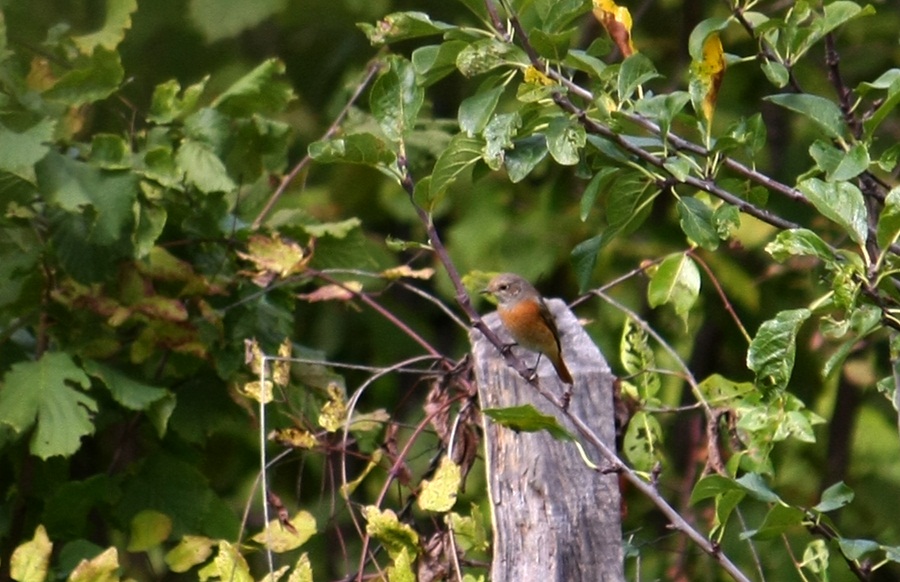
point(526, 317)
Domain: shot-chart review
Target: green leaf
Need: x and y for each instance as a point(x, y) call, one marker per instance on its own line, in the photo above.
point(718, 390)
point(498, 136)
point(262, 91)
point(476, 110)
point(434, 62)
point(776, 73)
point(634, 72)
point(439, 493)
point(589, 196)
point(220, 19)
point(643, 441)
point(166, 106)
point(40, 393)
point(756, 486)
point(840, 202)
point(778, 520)
point(888, 230)
point(835, 497)
point(190, 551)
point(354, 148)
point(676, 281)
point(856, 549)
point(396, 98)
point(838, 164)
point(772, 351)
point(24, 147)
point(638, 359)
point(696, 220)
point(402, 26)
point(483, 55)
point(126, 391)
point(118, 20)
point(74, 186)
point(821, 111)
point(461, 154)
point(385, 527)
point(524, 156)
point(713, 486)
point(799, 242)
point(203, 168)
point(92, 79)
point(565, 140)
point(527, 418)
point(701, 32)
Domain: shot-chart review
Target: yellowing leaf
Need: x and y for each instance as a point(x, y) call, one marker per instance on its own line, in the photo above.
point(369, 421)
point(102, 568)
point(334, 412)
point(280, 539)
point(439, 494)
point(349, 488)
point(189, 552)
point(274, 258)
point(536, 77)
point(406, 271)
point(253, 355)
point(385, 527)
point(31, 560)
point(281, 369)
point(706, 77)
point(344, 292)
point(149, 528)
point(228, 564)
point(617, 22)
point(302, 570)
point(294, 437)
point(256, 391)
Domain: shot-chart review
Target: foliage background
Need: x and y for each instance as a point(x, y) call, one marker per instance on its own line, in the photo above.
point(133, 315)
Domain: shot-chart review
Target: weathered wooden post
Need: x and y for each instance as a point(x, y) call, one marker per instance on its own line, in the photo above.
point(554, 518)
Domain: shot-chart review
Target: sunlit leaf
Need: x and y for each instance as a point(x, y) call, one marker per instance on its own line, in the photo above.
point(355, 148)
point(262, 90)
point(439, 493)
point(888, 230)
point(643, 441)
point(696, 220)
point(396, 98)
point(334, 412)
point(707, 73)
point(118, 21)
point(676, 281)
point(461, 154)
point(280, 539)
point(402, 26)
point(617, 22)
point(190, 551)
point(799, 242)
point(821, 111)
point(101, 568)
point(149, 528)
point(30, 561)
point(841, 202)
point(527, 418)
point(386, 528)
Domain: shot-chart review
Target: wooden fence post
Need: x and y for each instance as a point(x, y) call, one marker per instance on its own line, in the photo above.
point(554, 518)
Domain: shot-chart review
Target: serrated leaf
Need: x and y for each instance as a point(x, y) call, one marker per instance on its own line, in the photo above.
point(92, 79)
point(527, 418)
point(126, 391)
point(835, 497)
point(772, 351)
point(263, 90)
point(24, 147)
point(395, 99)
point(696, 220)
point(676, 281)
point(117, 22)
point(203, 168)
point(799, 242)
point(40, 393)
point(841, 202)
point(439, 493)
point(824, 113)
point(565, 140)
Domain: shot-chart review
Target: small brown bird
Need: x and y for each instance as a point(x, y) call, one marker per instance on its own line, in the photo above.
point(525, 315)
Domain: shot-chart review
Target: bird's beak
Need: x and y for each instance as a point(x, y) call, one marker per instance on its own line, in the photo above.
point(485, 291)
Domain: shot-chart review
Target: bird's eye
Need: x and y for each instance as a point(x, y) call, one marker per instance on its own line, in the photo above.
point(504, 287)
